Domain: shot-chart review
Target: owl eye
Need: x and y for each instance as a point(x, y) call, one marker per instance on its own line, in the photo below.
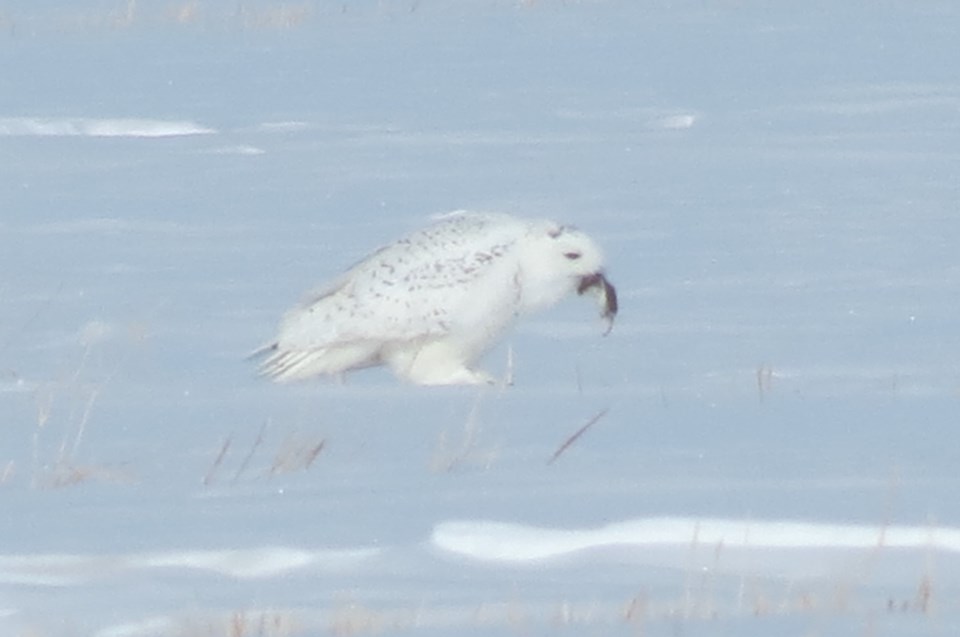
point(573, 256)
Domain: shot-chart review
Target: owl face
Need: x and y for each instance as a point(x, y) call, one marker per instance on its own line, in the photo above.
point(572, 252)
point(562, 260)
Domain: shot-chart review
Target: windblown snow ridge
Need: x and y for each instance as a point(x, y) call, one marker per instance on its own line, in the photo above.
point(98, 127)
point(507, 542)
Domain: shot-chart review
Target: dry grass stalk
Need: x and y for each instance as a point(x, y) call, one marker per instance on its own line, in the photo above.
point(355, 619)
point(8, 472)
point(576, 435)
point(240, 623)
point(764, 380)
point(635, 611)
point(447, 457)
point(211, 473)
point(253, 449)
point(66, 471)
point(296, 454)
point(186, 13)
point(283, 16)
point(67, 474)
point(924, 595)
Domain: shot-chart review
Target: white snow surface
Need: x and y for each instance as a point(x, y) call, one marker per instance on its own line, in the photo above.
point(98, 127)
point(766, 442)
point(514, 542)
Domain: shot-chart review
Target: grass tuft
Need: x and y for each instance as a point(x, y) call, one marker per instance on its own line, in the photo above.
point(296, 452)
point(449, 456)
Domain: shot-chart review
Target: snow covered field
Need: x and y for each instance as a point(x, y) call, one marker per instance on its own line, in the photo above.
point(774, 445)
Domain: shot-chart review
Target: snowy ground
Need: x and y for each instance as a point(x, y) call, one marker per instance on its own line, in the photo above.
point(775, 444)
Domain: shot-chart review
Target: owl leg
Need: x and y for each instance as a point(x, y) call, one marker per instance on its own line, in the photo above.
point(435, 363)
point(460, 376)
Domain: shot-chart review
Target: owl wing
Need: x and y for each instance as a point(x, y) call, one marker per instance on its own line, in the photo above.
point(415, 287)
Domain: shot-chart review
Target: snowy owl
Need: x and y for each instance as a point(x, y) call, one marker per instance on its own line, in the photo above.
point(430, 304)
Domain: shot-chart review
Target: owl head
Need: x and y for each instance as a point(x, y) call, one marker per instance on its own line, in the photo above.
point(558, 260)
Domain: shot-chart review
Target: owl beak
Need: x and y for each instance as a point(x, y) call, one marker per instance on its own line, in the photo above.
point(598, 284)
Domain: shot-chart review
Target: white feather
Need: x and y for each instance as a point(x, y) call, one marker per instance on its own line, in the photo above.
point(430, 304)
